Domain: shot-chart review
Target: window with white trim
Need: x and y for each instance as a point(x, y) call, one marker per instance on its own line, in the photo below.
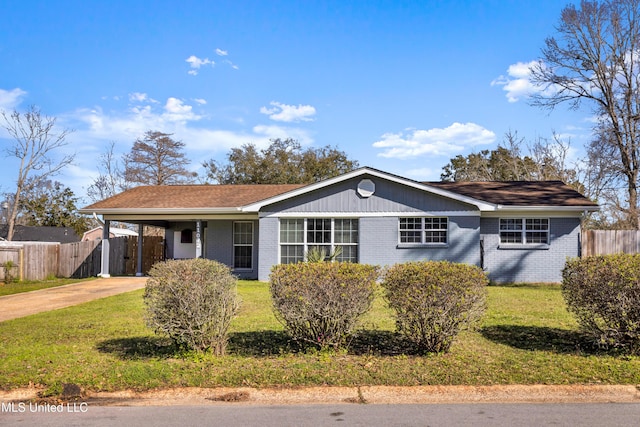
point(423, 230)
point(524, 231)
point(298, 236)
point(243, 245)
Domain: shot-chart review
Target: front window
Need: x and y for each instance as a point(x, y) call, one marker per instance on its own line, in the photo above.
point(242, 245)
point(525, 231)
point(298, 236)
point(426, 231)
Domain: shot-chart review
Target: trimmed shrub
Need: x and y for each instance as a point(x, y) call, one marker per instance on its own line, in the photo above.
point(193, 302)
point(321, 302)
point(603, 293)
point(434, 300)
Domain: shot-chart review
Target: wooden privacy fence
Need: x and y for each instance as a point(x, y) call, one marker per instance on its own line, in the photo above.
point(79, 259)
point(37, 261)
point(10, 260)
point(123, 254)
point(603, 242)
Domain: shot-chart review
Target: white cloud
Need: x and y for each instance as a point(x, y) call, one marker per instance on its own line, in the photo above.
point(138, 97)
point(517, 83)
point(9, 99)
point(437, 141)
point(289, 113)
point(176, 110)
point(231, 64)
point(195, 63)
point(141, 97)
point(200, 101)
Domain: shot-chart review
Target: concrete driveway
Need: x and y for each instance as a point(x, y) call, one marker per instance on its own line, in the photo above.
point(27, 303)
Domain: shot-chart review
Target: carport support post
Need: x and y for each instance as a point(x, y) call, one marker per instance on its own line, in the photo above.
point(140, 239)
point(104, 267)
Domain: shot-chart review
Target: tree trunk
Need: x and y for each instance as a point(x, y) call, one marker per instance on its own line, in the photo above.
point(633, 205)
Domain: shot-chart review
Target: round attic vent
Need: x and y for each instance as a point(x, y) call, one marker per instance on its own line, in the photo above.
point(366, 188)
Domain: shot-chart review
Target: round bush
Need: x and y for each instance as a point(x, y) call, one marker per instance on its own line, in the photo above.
point(321, 302)
point(603, 293)
point(193, 302)
point(434, 300)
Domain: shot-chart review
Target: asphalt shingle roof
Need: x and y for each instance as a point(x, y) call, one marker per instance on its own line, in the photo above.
point(518, 193)
point(192, 196)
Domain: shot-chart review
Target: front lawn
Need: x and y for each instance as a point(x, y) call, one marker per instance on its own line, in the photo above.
point(527, 337)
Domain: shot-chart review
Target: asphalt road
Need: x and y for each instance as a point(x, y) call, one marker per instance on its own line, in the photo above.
point(477, 415)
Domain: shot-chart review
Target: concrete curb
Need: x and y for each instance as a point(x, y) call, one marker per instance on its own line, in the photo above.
point(353, 395)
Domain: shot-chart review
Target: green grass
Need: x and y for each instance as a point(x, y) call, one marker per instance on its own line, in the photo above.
point(527, 337)
point(28, 286)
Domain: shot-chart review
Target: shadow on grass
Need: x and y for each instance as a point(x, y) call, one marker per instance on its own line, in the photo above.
point(258, 344)
point(262, 343)
point(561, 341)
point(381, 343)
point(270, 343)
point(139, 347)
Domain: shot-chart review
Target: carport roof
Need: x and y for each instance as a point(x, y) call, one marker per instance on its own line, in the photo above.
point(191, 196)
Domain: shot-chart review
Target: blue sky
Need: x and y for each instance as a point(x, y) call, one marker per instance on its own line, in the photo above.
point(401, 86)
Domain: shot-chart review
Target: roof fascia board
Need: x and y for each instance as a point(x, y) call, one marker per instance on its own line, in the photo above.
point(367, 214)
point(539, 211)
point(144, 217)
point(161, 211)
point(254, 207)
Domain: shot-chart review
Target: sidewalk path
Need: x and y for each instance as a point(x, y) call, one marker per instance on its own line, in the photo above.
point(27, 303)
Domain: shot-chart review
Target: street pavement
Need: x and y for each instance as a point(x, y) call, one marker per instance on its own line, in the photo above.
point(477, 415)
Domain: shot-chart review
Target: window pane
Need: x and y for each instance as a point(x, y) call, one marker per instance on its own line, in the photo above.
point(346, 231)
point(243, 233)
point(511, 224)
point(291, 254)
point(410, 236)
point(242, 256)
point(537, 224)
point(349, 254)
point(435, 223)
point(291, 230)
point(435, 237)
point(537, 237)
point(510, 237)
point(318, 231)
point(410, 223)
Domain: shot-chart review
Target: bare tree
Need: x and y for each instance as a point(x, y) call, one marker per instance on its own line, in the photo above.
point(110, 180)
point(35, 140)
point(596, 60)
point(156, 159)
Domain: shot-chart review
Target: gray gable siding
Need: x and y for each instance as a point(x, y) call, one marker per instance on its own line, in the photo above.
point(530, 265)
point(388, 197)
